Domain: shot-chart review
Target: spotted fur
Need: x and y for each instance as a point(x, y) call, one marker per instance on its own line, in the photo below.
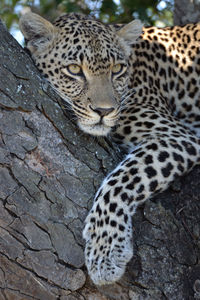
point(140, 87)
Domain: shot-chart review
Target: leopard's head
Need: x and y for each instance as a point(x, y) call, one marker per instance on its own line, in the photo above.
point(86, 62)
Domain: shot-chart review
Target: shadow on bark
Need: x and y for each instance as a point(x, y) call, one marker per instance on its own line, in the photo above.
point(49, 172)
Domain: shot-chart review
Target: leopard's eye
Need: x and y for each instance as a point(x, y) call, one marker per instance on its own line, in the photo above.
point(74, 69)
point(116, 69)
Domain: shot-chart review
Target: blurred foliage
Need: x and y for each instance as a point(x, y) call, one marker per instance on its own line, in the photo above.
point(151, 12)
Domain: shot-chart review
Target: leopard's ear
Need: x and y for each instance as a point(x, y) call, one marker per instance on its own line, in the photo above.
point(37, 31)
point(131, 31)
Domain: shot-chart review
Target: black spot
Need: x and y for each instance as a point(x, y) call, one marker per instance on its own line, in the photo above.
point(138, 124)
point(104, 234)
point(117, 190)
point(140, 93)
point(76, 41)
point(125, 218)
point(113, 207)
point(127, 129)
point(171, 85)
point(163, 129)
point(121, 239)
point(117, 173)
point(124, 197)
point(164, 144)
point(50, 73)
point(152, 146)
point(154, 117)
point(141, 189)
point(150, 171)
point(151, 30)
point(133, 118)
point(133, 171)
point(125, 179)
point(112, 182)
point(81, 56)
point(164, 57)
point(158, 55)
point(187, 107)
point(136, 179)
point(98, 209)
point(148, 159)
point(181, 94)
point(180, 168)
point(175, 145)
point(107, 197)
point(130, 186)
point(178, 157)
point(101, 223)
point(165, 87)
point(149, 124)
point(110, 240)
point(107, 219)
point(167, 170)
point(113, 223)
point(189, 164)
point(131, 163)
point(93, 235)
point(140, 197)
point(189, 148)
point(162, 72)
point(140, 154)
point(121, 227)
point(153, 185)
point(120, 212)
point(163, 155)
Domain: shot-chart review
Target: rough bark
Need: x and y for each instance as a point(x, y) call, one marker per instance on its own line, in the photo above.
point(49, 172)
point(186, 11)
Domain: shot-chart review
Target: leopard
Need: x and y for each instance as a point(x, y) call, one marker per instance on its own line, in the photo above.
point(141, 87)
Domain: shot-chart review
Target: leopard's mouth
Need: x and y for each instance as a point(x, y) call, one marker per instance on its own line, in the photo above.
point(98, 129)
point(98, 125)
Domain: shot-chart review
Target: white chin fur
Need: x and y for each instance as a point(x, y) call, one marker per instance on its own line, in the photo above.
point(97, 130)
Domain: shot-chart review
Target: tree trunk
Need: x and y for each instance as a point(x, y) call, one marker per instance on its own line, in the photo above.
point(49, 172)
point(186, 11)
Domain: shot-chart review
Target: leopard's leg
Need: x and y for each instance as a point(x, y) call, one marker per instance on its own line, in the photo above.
point(145, 171)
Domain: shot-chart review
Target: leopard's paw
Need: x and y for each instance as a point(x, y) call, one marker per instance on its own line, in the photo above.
point(108, 247)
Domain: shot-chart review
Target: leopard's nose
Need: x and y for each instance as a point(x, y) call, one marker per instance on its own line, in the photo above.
point(102, 112)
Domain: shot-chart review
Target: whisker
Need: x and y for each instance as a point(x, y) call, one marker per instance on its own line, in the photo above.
point(67, 107)
point(63, 96)
point(127, 94)
point(124, 100)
